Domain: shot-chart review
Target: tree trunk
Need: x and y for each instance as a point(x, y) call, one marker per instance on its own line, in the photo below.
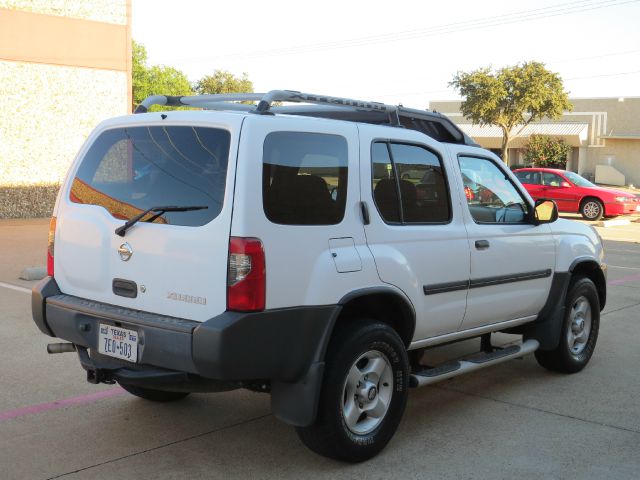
point(505, 146)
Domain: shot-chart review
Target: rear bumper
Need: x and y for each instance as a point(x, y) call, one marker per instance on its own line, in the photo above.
point(278, 345)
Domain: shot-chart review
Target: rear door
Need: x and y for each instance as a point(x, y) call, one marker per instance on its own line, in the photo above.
point(176, 265)
point(565, 196)
point(532, 181)
point(416, 231)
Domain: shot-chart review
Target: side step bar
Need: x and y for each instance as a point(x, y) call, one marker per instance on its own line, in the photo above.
point(469, 364)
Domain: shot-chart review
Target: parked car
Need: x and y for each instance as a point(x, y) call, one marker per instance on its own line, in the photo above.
point(575, 194)
point(255, 247)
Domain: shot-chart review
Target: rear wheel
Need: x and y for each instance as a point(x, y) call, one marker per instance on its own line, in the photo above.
point(579, 330)
point(364, 393)
point(154, 395)
point(592, 209)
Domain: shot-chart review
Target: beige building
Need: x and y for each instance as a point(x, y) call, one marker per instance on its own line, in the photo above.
point(604, 134)
point(65, 65)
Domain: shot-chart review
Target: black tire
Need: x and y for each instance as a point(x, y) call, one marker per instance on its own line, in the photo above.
point(592, 209)
point(366, 341)
point(564, 358)
point(154, 395)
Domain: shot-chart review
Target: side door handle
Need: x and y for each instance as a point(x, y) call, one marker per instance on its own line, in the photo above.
point(482, 244)
point(364, 210)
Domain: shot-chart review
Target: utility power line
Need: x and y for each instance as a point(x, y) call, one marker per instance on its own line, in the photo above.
point(393, 94)
point(485, 22)
point(634, 72)
point(593, 57)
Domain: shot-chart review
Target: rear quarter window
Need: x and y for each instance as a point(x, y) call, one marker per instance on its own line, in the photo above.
point(304, 178)
point(128, 170)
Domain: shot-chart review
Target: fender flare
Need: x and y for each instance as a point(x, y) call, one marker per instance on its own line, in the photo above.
point(548, 326)
point(409, 312)
point(297, 403)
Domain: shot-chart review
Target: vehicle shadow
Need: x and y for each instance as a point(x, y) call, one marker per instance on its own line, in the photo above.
point(510, 419)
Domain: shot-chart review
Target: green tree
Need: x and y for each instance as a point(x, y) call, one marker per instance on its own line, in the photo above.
point(155, 80)
point(511, 97)
point(224, 82)
point(546, 151)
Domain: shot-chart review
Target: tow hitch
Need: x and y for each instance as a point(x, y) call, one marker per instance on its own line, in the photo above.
point(94, 375)
point(98, 375)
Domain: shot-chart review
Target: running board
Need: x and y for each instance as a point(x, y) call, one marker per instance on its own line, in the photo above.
point(469, 364)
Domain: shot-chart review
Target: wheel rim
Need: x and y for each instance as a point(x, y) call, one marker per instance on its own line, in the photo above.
point(591, 209)
point(367, 392)
point(579, 325)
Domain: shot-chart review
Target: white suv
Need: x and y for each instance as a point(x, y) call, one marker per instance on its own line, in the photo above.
point(313, 251)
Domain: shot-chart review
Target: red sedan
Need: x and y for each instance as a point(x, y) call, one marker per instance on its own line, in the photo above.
point(575, 194)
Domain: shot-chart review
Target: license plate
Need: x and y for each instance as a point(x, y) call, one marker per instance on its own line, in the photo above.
point(118, 342)
point(638, 208)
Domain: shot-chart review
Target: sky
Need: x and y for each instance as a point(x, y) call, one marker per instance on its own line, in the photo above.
point(394, 51)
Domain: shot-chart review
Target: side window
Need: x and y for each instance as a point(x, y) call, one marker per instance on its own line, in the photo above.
point(304, 178)
point(532, 178)
point(491, 197)
point(551, 179)
point(409, 184)
point(423, 190)
point(385, 190)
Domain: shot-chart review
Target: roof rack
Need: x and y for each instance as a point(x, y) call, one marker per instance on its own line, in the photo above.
point(432, 124)
point(265, 100)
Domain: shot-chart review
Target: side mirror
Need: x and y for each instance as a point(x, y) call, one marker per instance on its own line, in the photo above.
point(565, 184)
point(545, 211)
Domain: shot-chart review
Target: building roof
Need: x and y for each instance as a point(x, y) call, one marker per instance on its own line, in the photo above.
point(557, 129)
point(490, 136)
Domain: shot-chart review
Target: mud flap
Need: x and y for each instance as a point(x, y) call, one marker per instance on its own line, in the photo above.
point(546, 329)
point(297, 403)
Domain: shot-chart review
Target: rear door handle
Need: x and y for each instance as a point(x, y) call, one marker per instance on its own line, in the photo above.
point(482, 244)
point(365, 213)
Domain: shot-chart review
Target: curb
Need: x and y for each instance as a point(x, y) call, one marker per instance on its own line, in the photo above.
point(613, 223)
point(33, 273)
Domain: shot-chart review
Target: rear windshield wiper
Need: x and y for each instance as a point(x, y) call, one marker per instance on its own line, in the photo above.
point(158, 211)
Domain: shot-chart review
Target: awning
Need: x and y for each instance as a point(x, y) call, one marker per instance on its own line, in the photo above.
point(490, 136)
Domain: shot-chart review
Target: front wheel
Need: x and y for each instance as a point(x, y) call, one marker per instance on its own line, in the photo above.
point(592, 209)
point(364, 392)
point(579, 330)
point(154, 395)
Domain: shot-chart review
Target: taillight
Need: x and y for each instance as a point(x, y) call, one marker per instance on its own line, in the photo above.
point(469, 193)
point(246, 276)
point(50, 244)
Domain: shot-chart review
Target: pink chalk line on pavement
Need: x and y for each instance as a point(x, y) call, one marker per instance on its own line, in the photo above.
point(57, 404)
point(627, 279)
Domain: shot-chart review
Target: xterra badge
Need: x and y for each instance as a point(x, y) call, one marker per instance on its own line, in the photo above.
point(181, 297)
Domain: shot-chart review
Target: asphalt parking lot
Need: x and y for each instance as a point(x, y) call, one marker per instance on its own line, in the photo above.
point(514, 420)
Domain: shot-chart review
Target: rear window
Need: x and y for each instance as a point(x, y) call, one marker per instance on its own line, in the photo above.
point(304, 178)
point(128, 170)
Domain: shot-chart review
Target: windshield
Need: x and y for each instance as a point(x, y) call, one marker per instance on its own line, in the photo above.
point(578, 180)
point(130, 170)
